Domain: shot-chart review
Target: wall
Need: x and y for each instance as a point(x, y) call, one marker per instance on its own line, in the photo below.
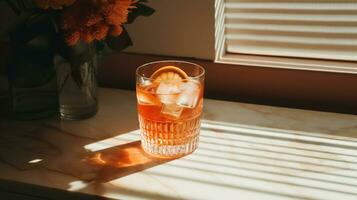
point(183, 28)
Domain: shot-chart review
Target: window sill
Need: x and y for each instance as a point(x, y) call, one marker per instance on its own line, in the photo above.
point(246, 151)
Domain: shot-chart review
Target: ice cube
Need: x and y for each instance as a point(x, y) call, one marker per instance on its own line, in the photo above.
point(167, 91)
point(146, 98)
point(190, 95)
point(145, 83)
point(168, 87)
point(172, 110)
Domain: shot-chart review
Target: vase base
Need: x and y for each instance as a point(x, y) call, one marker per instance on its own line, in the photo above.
point(77, 113)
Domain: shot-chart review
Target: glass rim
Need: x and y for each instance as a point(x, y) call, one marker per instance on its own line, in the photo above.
point(163, 61)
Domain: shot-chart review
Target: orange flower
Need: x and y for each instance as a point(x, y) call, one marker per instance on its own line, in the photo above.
point(100, 31)
point(116, 30)
point(73, 38)
point(86, 35)
point(94, 19)
point(54, 4)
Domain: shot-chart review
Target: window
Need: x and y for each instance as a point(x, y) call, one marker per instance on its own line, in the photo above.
point(306, 34)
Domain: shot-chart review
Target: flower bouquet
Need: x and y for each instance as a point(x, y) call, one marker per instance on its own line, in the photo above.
point(63, 37)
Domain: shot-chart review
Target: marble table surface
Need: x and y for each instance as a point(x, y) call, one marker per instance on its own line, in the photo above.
point(246, 151)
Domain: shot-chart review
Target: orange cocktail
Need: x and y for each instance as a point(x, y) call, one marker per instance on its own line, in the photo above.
point(170, 100)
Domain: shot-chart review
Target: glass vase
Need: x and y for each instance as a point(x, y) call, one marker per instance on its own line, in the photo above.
point(77, 82)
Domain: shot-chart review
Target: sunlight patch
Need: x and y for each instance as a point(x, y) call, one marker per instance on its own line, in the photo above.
point(114, 141)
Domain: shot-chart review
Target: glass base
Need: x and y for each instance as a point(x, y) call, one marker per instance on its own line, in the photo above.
point(77, 112)
point(169, 151)
point(170, 138)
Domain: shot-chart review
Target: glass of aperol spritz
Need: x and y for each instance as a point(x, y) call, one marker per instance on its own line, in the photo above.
point(170, 101)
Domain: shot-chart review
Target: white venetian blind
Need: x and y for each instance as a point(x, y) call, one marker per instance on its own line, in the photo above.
point(322, 29)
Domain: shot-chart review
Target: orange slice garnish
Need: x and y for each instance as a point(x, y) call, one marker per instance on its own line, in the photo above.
point(168, 73)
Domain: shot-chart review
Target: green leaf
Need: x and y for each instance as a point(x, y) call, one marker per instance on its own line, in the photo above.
point(20, 6)
point(28, 5)
point(100, 46)
point(140, 10)
point(14, 7)
point(43, 44)
point(16, 25)
point(121, 42)
point(35, 24)
point(80, 53)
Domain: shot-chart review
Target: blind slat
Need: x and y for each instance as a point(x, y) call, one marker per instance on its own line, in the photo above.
point(293, 5)
point(292, 28)
point(293, 52)
point(295, 17)
point(293, 39)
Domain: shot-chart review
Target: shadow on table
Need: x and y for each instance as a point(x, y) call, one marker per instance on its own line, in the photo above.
point(121, 161)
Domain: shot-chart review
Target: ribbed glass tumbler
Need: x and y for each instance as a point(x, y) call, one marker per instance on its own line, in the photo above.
point(170, 101)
